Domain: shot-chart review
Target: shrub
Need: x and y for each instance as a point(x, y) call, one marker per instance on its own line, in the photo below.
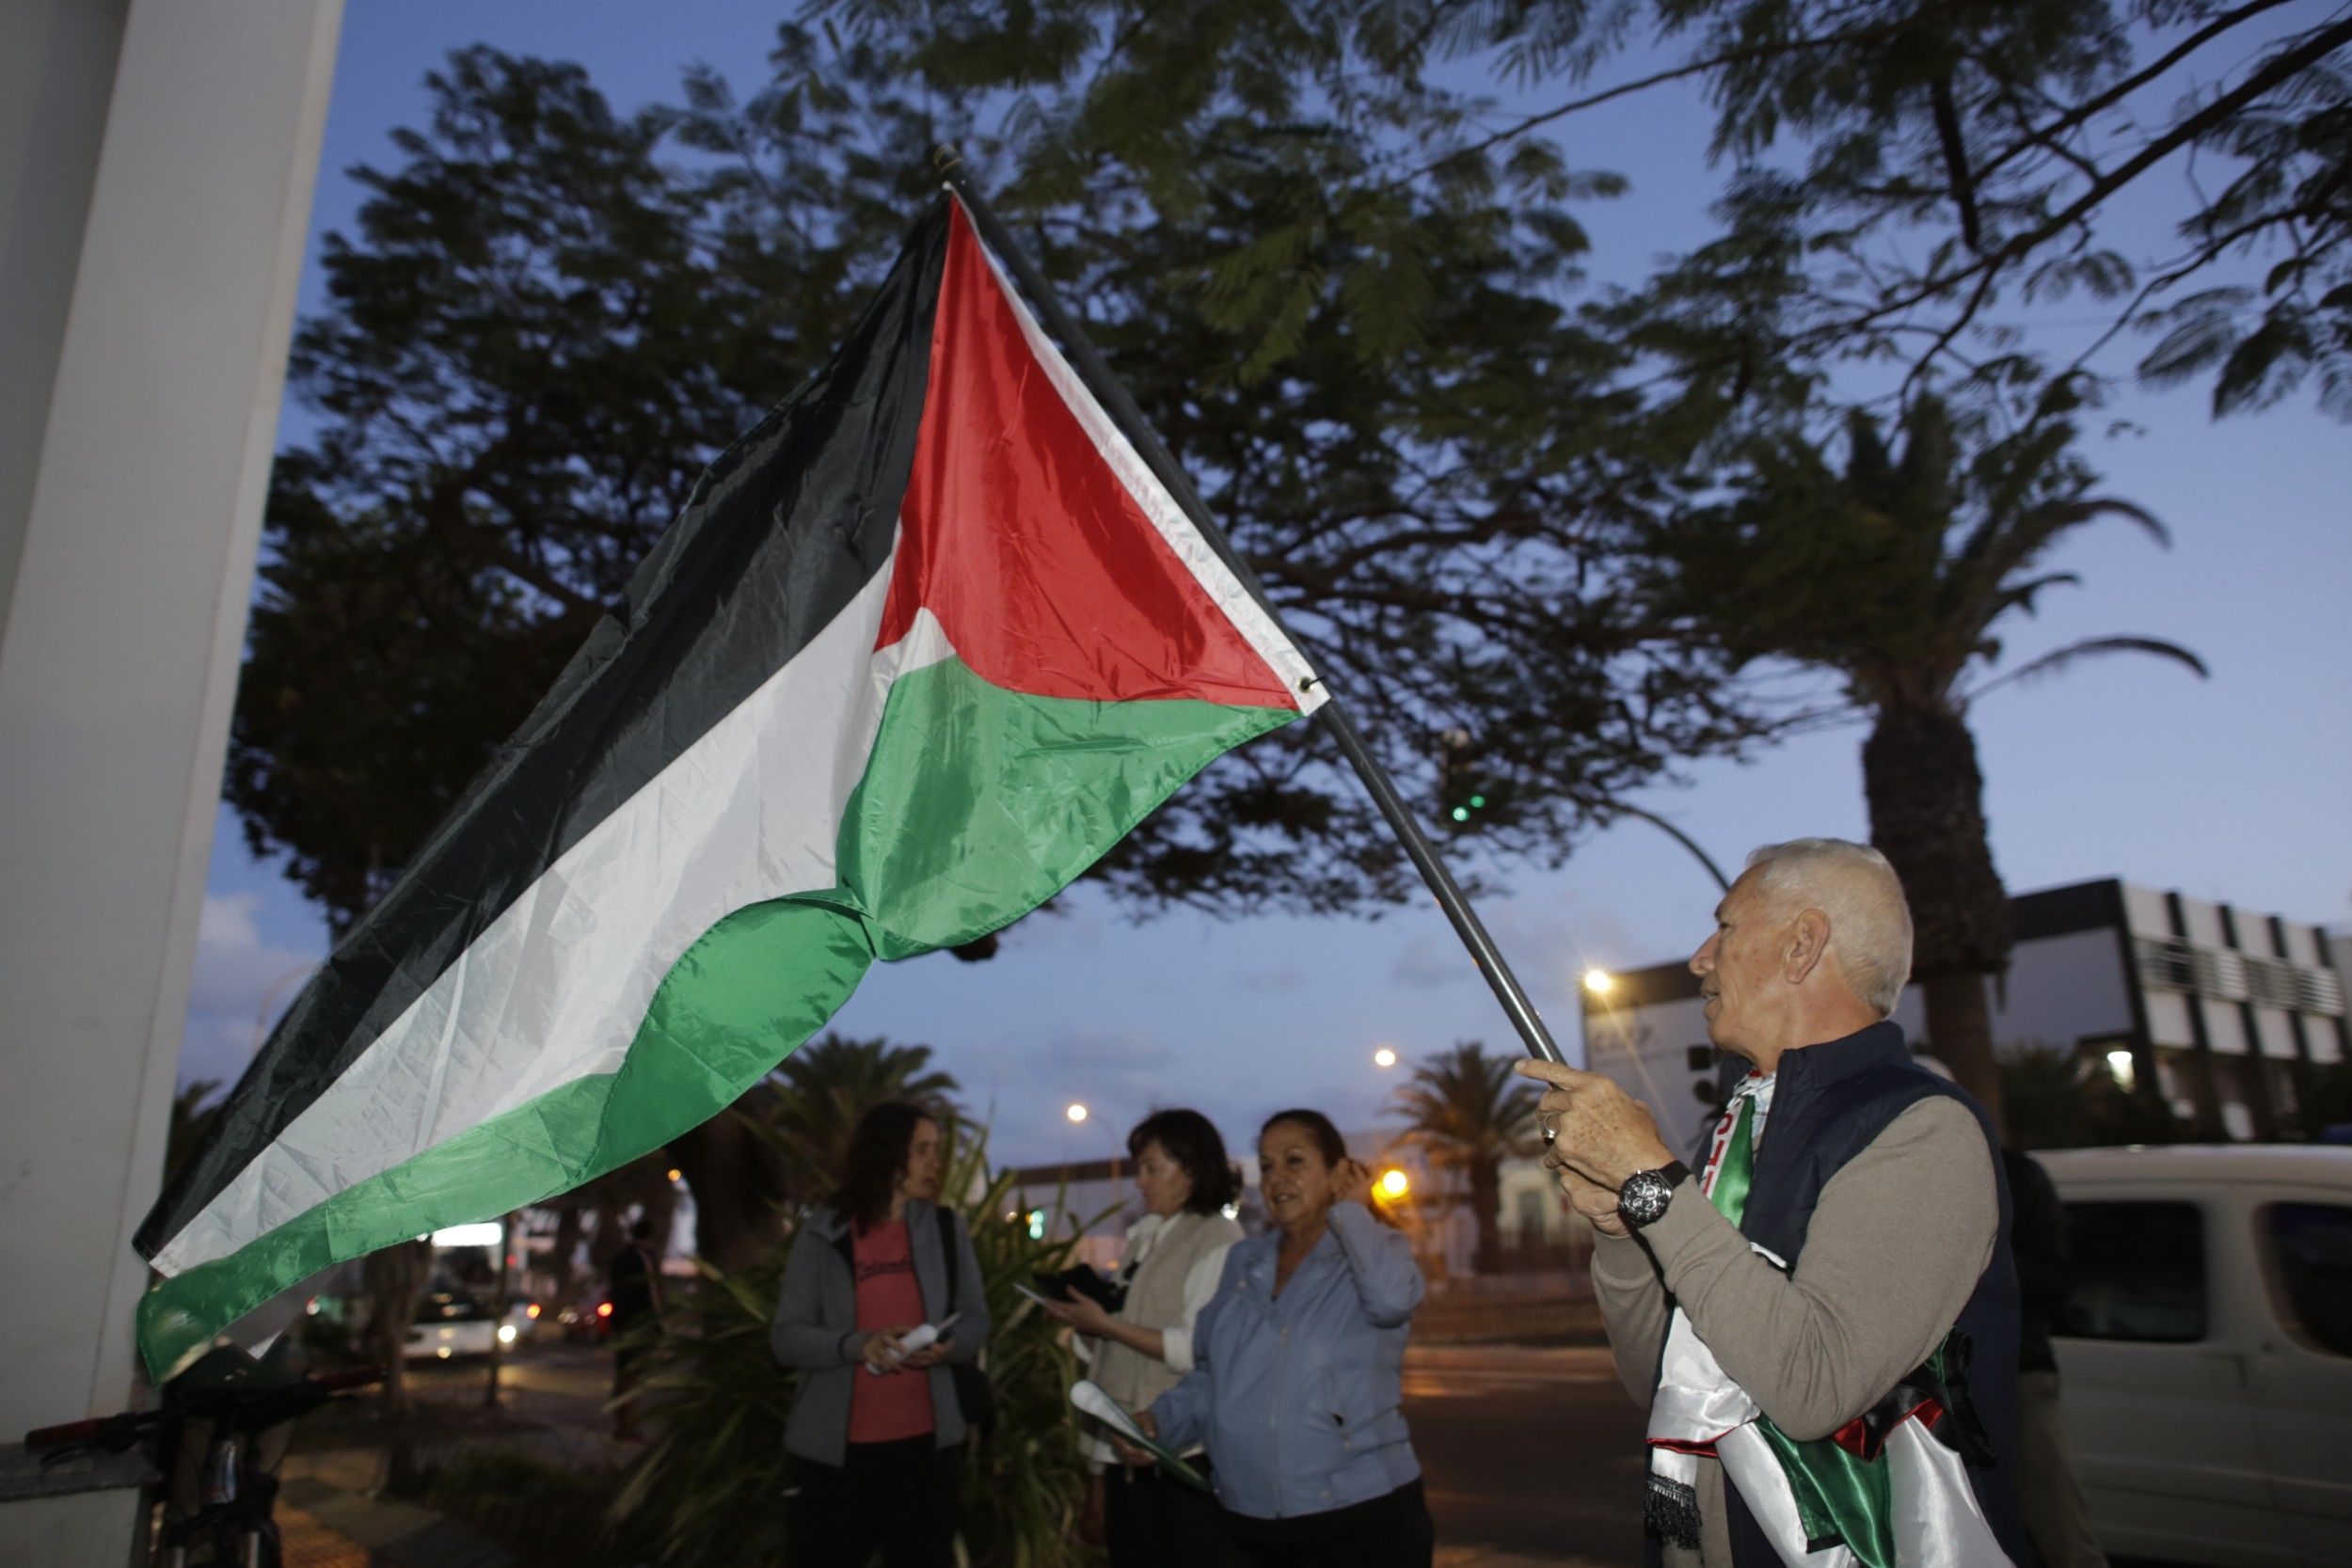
point(709, 1488)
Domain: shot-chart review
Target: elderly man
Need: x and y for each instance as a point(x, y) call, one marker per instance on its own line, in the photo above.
point(1819, 1312)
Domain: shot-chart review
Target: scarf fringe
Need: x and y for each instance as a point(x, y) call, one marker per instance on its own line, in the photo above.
point(1670, 1510)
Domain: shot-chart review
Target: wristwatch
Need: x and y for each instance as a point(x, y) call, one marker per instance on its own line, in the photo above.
point(1646, 1194)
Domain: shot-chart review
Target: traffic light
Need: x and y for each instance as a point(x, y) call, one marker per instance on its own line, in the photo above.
point(1470, 793)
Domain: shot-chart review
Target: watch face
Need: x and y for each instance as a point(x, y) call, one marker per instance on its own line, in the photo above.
point(1644, 1196)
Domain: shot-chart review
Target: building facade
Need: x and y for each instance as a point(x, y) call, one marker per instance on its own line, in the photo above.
point(2222, 1015)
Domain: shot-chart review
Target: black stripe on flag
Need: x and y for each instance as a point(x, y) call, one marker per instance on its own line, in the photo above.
point(790, 522)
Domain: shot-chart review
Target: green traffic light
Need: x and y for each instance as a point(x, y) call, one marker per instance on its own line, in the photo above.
point(1478, 802)
point(1461, 814)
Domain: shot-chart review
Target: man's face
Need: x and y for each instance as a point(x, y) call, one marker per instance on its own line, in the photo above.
point(1738, 971)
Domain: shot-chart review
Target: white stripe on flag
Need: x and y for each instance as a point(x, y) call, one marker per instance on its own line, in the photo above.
point(556, 988)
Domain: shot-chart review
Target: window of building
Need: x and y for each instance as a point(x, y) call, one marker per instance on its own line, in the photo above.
point(2166, 963)
point(2311, 1244)
point(2139, 1272)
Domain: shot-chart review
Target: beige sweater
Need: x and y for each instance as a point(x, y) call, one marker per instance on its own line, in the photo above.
point(1894, 1249)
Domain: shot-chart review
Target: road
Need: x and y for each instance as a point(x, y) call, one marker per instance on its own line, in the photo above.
point(1533, 1452)
point(1536, 1452)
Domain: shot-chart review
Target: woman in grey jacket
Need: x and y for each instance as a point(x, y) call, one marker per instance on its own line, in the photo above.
point(876, 1431)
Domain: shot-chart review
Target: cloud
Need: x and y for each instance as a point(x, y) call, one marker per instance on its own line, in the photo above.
point(1432, 960)
point(1066, 923)
point(239, 973)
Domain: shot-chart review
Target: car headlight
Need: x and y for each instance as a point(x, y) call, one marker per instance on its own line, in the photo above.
point(506, 1334)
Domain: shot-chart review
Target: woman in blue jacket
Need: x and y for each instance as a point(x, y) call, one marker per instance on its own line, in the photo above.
point(1297, 1370)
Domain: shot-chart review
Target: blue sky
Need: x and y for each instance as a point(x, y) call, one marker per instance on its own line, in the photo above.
point(2233, 788)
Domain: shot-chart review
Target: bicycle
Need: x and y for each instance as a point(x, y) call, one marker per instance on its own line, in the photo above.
point(215, 1441)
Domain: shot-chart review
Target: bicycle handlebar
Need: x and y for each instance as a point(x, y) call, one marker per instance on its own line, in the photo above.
point(280, 1400)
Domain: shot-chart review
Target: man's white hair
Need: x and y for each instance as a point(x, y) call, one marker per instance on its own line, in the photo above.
point(1869, 920)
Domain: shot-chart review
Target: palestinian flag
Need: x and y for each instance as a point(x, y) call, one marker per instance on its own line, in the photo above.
point(923, 645)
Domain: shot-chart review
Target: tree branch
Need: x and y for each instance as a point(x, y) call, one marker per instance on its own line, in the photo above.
point(2084, 111)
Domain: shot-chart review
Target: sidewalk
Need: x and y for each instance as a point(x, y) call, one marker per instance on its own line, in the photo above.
point(329, 1516)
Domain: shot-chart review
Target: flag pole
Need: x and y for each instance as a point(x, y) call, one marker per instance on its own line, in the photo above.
point(1121, 407)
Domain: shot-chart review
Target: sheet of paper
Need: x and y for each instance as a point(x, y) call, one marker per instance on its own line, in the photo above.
point(919, 1337)
point(1090, 1399)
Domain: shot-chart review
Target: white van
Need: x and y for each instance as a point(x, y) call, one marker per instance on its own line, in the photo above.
point(2205, 1356)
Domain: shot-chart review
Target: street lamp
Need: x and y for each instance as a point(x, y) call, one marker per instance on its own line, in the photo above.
point(1384, 1057)
point(1599, 981)
point(1076, 1113)
point(1394, 1184)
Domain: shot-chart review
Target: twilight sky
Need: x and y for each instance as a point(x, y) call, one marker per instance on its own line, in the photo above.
point(2233, 788)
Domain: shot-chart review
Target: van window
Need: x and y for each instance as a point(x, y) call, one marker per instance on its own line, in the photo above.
point(2313, 1243)
point(2138, 1272)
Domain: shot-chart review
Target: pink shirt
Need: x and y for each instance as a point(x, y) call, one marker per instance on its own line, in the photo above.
point(895, 1405)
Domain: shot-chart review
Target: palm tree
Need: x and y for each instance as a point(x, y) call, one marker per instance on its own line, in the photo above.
point(822, 1088)
point(1894, 575)
point(782, 1142)
point(1466, 1112)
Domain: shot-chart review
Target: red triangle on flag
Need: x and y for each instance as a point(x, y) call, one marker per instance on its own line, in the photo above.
point(1039, 562)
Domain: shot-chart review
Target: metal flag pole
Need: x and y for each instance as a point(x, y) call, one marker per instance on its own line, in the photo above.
point(1113, 394)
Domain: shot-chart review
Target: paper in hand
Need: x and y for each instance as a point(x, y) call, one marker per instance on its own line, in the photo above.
point(921, 1337)
point(1089, 1399)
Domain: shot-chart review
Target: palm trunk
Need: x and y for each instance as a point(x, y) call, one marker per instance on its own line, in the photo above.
point(564, 1258)
point(1926, 795)
point(737, 1181)
point(1485, 1185)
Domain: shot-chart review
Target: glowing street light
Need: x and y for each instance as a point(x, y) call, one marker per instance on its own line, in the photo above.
point(1384, 1057)
point(1599, 981)
point(1394, 1184)
point(2124, 1070)
point(1076, 1113)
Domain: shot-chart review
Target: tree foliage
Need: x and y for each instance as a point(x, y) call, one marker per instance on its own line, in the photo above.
point(1906, 177)
point(552, 314)
point(815, 1100)
point(1901, 177)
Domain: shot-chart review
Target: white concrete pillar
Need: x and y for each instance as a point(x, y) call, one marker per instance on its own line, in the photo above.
point(156, 164)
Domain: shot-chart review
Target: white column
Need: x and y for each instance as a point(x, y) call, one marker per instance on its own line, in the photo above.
point(133, 467)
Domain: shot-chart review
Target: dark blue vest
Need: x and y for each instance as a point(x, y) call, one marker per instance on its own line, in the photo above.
point(1830, 1101)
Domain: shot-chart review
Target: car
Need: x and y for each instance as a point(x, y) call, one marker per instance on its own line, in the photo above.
point(450, 1324)
point(2205, 1352)
point(587, 1322)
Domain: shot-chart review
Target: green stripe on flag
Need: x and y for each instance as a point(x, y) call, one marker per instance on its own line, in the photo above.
point(750, 990)
point(979, 803)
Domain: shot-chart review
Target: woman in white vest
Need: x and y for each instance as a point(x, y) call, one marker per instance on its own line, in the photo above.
point(1175, 1257)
